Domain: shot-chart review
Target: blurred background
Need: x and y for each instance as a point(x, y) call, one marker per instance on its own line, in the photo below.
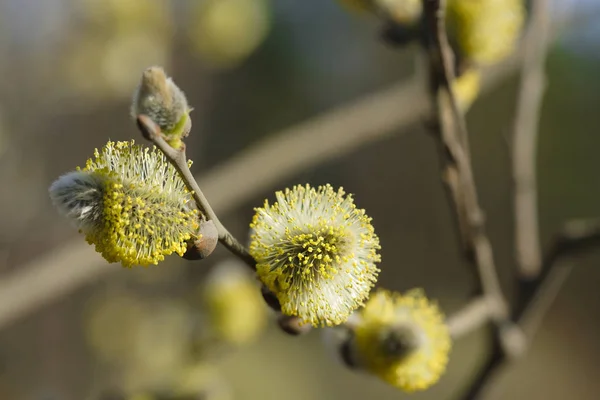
point(67, 71)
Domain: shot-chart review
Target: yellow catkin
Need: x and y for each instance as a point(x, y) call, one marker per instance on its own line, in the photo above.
point(316, 251)
point(418, 368)
point(130, 203)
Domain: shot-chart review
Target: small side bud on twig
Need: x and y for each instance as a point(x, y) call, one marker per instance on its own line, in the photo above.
point(293, 325)
point(203, 247)
point(163, 102)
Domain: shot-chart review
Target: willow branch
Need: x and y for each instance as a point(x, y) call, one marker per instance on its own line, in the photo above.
point(178, 159)
point(457, 167)
point(524, 149)
point(457, 170)
point(442, 58)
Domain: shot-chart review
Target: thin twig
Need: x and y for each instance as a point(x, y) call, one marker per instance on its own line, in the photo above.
point(456, 160)
point(504, 335)
point(443, 56)
point(178, 159)
point(524, 149)
point(507, 340)
point(540, 304)
point(577, 237)
point(472, 316)
point(480, 384)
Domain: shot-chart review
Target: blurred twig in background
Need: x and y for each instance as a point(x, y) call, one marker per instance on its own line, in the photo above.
point(524, 145)
point(524, 158)
point(457, 171)
point(527, 242)
point(450, 130)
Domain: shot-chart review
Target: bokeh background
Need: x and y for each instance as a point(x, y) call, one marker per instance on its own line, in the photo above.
point(67, 70)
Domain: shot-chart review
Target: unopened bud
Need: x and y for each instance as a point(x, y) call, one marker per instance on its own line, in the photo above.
point(206, 243)
point(293, 325)
point(159, 98)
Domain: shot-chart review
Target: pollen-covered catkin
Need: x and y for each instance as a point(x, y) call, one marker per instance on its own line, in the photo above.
point(316, 251)
point(402, 339)
point(130, 203)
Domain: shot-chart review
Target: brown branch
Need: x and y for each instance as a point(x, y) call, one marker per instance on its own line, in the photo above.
point(442, 58)
point(524, 149)
point(456, 162)
point(506, 338)
point(527, 242)
point(178, 158)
